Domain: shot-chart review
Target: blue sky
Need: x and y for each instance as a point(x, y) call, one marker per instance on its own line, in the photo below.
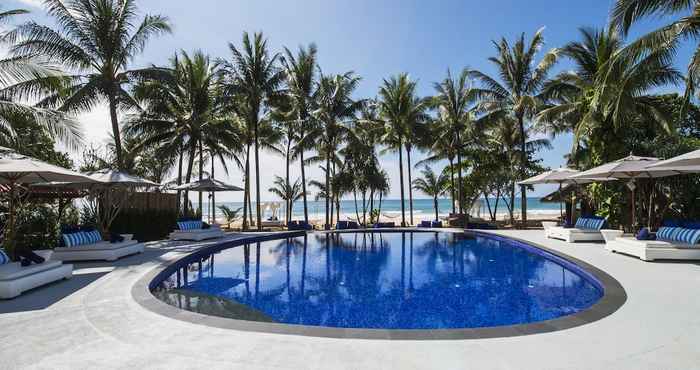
point(376, 39)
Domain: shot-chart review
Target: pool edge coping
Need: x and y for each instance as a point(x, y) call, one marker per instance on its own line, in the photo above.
point(614, 296)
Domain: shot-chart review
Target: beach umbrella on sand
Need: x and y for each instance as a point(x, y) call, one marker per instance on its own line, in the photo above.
point(210, 186)
point(686, 163)
point(17, 170)
point(631, 168)
point(558, 176)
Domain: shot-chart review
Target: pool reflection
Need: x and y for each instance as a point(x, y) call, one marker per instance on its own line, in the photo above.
point(380, 280)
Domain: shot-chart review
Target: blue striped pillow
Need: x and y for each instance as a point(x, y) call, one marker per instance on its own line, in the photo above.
point(94, 236)
point(580, 222)
point(687, 236)
point(4, 258)
point(666, 233)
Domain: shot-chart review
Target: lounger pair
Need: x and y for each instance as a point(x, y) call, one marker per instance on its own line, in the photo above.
point(673, 244)
point(587, 229)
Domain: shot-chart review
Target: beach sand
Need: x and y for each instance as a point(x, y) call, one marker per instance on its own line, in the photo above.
point(418, 217)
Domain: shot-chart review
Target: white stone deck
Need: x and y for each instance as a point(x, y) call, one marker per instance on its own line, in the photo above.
point(92, 321)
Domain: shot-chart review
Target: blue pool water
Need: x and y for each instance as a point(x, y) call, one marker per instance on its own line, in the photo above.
point(384, 280)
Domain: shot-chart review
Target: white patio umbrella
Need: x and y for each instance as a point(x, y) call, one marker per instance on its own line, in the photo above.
point(17, 170)
point(559, 176)
point(210, 186)
point(632, 168)
point(118, 178)
point(687, 163)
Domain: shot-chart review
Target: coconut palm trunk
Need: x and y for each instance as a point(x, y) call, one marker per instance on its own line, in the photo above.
point(327, 226)
point(452, 185)
point(303, 186)
point(410, 181)
point(116, 133)
point(188, 178)
point(246, 190)
point(257, 178)
point(201, 173)
point(459, 178)
point(179, 180)
point(288, 201)
point(435, 202)
point(523, 164)
point(403, 206)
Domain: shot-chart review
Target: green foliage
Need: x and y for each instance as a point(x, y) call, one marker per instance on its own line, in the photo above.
point(230, 214)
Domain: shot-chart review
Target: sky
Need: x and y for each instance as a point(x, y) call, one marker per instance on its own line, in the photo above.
point(376, 39)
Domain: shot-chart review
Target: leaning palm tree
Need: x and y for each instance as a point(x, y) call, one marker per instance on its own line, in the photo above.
point(29, 77)
point(455, 102)
point(432, 185)
point(665, 39)
point(518, 92)
point(290, 193)
point(607, 93)
point(335, 106)
point(301, 83)
point(97, 39)
point(254, 76)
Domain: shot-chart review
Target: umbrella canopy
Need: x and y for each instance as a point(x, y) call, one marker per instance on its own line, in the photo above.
point(20, 169)
point(687, 163)
point(111, 177)
point(208, 185)
point(557, 176)
point(631, 167)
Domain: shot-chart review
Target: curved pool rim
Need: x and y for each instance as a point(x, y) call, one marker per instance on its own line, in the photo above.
point(614, 296)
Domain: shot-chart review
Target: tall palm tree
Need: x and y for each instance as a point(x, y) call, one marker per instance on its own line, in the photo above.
point(335, 107)
point(25, 78)
point(301, 84)
point(518, 92)
point(432, 185)
point(97, 39)
point(444, 147)
point(253, 74)
point(402, 111)
point(455, 102)
point(665, 39)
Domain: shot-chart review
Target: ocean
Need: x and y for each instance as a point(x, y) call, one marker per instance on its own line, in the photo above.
point(391, 207)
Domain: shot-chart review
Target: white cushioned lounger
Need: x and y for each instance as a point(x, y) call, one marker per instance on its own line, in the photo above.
point(15, 279)
point(650, 250)
point(197, 234)
point(102, 251)
point(572, 235)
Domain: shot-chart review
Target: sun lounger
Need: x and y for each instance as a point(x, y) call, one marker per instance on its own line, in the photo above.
point(15, 279)
point(192, 230)
point(673, 248)
point(586, 230)
point(100, 251)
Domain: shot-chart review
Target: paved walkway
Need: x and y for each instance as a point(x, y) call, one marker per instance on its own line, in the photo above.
point(92, 321)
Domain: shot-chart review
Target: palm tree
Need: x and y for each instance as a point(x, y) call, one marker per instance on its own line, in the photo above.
point(444, 147)
point(605, 96)
point(402, 111)
point(301, 83)
point(665, 39)
point(30, 78)
point(290, 193)
point(335, 107)
point(253, 75)
point(454, 100)
point(231, 215)
point(432, 185)
point(518, 93)
point(182, 114)
point(97, 39)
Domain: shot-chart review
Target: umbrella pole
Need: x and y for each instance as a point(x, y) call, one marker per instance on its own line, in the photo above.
point(561, 201)
point(10, 228)
point(633, 209)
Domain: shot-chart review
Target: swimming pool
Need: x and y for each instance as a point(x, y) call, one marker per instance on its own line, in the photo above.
point(397, 280)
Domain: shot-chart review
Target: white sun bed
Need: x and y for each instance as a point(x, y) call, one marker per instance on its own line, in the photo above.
point(198, 234)
point(15, 279)
point(573, 235)
point(101, 251)
point(650, 250)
